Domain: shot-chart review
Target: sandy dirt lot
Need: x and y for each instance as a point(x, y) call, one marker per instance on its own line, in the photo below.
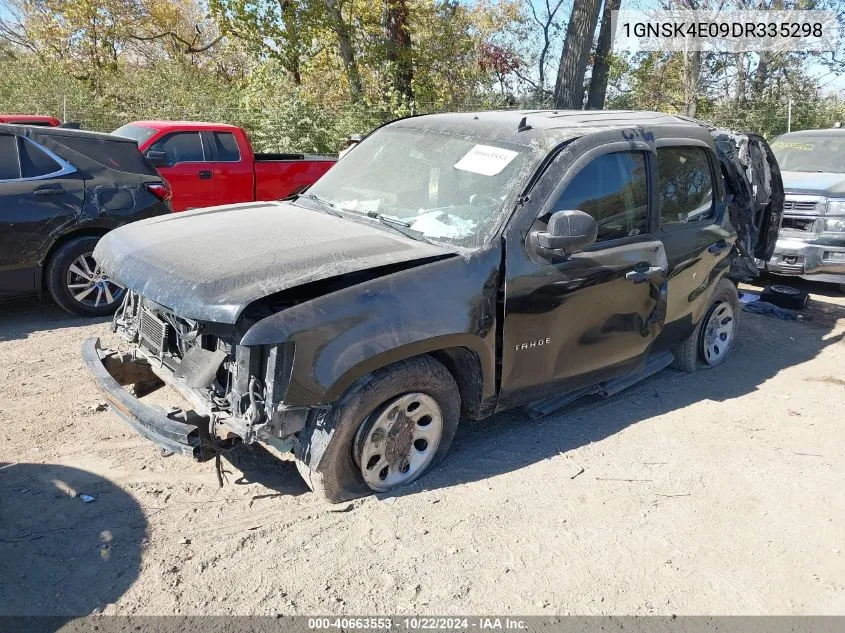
point(721, 492)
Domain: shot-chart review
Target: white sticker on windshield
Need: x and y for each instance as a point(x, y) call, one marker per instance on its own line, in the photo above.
point(486, 160)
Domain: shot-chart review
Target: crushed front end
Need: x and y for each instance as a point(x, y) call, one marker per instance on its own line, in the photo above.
point(235, 392)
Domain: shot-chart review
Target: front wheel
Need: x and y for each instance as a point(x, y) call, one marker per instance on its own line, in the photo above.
point(76, 283)
point(387, 431)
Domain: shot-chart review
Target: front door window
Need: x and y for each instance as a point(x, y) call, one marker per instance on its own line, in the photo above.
point(613, 189)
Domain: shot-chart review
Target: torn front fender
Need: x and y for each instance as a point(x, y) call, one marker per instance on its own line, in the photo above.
point(344, 335)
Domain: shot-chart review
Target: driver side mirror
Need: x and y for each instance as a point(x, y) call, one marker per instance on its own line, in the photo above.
point(568, 231)
point(157, 158)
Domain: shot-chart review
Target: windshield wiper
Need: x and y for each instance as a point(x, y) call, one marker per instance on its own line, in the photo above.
point(325, 205)
point(386, 219)
point(399, 225)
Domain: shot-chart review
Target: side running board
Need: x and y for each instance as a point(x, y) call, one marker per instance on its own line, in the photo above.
point(653, 365)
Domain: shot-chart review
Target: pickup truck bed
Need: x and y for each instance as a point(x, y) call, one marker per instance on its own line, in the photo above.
point(30, 119)
point(279, 175)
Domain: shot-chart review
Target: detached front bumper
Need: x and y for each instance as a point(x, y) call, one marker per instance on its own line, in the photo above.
point(111, 370)
point(822, 262)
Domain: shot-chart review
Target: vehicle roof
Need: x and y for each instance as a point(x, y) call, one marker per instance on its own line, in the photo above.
point(833, 131)
point(21, 118)
point(60, 131)
point(550, 127)
point(190, 125)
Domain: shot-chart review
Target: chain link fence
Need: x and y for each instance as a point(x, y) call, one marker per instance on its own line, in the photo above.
point(301, 128)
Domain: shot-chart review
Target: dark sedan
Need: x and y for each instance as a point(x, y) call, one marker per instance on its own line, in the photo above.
point(61, 190)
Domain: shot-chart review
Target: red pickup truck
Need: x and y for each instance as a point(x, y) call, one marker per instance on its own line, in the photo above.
point(208, 164)
point(30, 119)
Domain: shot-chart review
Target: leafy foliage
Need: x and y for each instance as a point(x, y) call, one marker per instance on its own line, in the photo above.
point(302, 75)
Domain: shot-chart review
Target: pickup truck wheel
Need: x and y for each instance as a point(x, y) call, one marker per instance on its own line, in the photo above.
point(76, 283)
point(714, 336)
point(388, 430)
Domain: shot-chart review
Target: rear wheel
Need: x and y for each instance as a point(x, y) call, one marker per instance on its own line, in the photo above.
point(714, 336)
point(387, 431)
point(76, 283)
point(719, 333)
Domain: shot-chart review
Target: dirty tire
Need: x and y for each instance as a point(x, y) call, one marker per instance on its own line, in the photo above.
point(57, 270)
point(688, 353)
point(785, 296)
point(340, 478)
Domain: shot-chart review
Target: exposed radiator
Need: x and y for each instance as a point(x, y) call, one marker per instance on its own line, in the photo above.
point(152, 332)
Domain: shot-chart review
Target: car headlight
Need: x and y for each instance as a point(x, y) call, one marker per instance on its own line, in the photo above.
point(834, 225)
point(836, 206)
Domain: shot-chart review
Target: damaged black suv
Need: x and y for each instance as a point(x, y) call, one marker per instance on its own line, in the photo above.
point(450, 266)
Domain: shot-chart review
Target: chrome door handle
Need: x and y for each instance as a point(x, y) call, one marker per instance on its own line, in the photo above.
point(48, 191)
point(638, 276)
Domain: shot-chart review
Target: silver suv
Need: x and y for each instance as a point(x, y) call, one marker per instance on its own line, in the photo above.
point(811, 243)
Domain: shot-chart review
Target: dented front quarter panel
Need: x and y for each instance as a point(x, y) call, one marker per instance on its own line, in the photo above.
point(345, 335)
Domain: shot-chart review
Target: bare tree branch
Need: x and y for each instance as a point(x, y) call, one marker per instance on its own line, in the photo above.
point(190, 47)
point(545, 25)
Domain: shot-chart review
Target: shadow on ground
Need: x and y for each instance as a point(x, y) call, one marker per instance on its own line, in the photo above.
point(61, 556)
point(511, 440)
point(818, 288)
point(258, 465)
point(21, 317)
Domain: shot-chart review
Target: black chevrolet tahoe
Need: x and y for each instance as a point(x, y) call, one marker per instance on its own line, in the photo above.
point(449, 267)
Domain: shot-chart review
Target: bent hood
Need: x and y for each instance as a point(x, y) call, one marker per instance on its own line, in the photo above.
point(210, 264)
point(814, 183)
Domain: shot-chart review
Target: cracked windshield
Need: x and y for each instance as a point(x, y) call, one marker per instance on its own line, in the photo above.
point(439, 186)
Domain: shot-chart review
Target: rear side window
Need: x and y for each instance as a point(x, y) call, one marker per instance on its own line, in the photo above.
point(613, 189)
point(182, 147)
point(114, 154)
point(227, 147)
point(9, 168)
point(35, 161)
point(686, 185)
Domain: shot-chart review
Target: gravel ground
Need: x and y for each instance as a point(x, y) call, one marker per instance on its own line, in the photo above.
point(721, 492)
